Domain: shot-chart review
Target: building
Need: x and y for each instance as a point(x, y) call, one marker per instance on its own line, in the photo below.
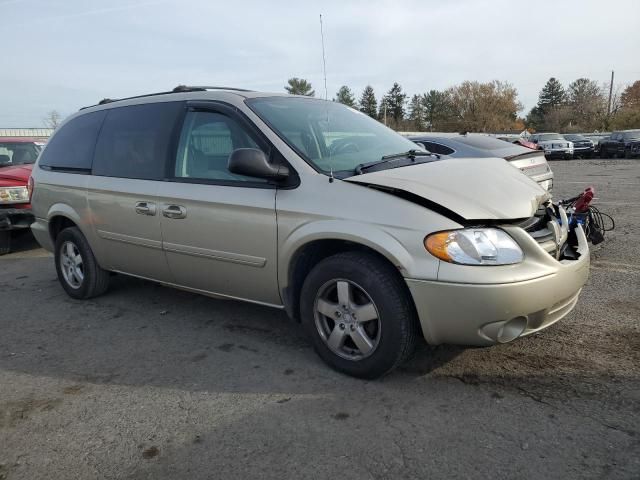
point(39, 133)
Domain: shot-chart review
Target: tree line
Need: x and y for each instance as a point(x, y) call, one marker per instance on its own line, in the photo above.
point(493, 106)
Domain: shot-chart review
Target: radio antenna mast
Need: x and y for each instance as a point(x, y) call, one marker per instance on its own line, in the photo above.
point(324, 62)
point(326, 96)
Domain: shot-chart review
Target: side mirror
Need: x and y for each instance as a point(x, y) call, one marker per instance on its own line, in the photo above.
point(5, 160)
point(254, 163)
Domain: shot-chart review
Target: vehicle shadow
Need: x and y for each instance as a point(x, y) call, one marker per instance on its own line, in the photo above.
point(23, 241)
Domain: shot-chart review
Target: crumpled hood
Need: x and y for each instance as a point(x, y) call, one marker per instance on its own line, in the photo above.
point(474, 189)
point(17, 175)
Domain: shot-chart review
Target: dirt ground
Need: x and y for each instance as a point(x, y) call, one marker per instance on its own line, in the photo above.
point(151, 382)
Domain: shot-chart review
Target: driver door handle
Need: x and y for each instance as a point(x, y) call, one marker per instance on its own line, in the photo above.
point(174, 211)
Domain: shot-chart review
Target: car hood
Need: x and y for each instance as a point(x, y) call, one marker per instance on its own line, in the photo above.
point(490, 189)
point(15, 174)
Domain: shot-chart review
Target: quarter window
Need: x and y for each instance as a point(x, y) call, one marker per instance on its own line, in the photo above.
point(71, 148)
point(134, 142)
point(206, 141)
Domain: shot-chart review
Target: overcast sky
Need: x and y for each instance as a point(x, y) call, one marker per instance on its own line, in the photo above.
point(65, 54)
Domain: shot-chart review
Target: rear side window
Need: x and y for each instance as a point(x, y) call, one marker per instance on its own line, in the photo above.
point(71, 148)
point(134, 141)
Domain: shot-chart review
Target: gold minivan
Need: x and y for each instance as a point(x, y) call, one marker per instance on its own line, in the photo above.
point(308, 206)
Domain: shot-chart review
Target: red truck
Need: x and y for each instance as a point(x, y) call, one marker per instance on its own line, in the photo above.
point(17, 156)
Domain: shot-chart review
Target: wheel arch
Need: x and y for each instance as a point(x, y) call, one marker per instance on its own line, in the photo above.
point(304, 249)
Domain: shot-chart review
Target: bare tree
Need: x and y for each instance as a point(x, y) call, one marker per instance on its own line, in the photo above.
point(52, 120)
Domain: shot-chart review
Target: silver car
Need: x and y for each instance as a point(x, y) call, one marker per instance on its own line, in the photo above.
point(311, 207)
point(474, 145)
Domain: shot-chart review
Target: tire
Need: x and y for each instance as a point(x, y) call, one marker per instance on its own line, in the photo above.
point(77, 268)
point(5, 242)
point(376, 291)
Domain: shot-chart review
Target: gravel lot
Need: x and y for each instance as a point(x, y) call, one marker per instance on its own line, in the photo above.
point(151, 382)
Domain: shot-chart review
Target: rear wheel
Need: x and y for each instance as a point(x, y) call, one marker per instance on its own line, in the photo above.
point(5, 242)
point(77, 268)
point(358, 314)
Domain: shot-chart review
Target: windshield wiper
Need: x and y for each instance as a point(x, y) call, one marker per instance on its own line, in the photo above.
point(411, 154)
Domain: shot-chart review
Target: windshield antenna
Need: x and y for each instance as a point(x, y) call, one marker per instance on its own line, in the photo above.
point(324, 62)
point(326, 95)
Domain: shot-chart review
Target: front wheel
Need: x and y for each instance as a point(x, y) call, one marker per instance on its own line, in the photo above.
point(77, 268)
point(358, 314)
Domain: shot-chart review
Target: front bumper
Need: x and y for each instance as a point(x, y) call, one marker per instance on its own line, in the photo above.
point(558, 153)
point(15, 218)
point(488, 313)
point(579, 151)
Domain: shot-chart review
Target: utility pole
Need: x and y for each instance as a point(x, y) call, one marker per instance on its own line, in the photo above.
point(610, 94)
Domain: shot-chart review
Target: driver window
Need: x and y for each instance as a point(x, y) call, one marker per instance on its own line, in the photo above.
point(206, 141)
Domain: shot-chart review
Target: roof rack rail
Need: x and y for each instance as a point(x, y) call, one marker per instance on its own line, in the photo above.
point(186, 88)
point(178, 89)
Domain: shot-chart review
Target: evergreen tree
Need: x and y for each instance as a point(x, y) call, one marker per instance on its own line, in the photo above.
point(368, 103)
point(299, 86)
point(395, 100)
point(345, 96)
point(551, 96)
point(417, 112)
point(437, 108)
point(384, 112)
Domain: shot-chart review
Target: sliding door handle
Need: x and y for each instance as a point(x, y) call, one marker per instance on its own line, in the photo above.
point(174, 211)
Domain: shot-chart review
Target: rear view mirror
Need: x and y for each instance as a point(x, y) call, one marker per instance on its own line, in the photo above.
point(255, 163)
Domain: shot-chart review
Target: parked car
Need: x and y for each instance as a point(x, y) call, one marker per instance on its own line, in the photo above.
point(582, 146)
point(519, 141)
point(531, 163)
point(17, 156)
point(554, 145)
point(619, 144)
point(308, 206)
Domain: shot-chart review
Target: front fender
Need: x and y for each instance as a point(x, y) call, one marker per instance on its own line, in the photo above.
point(368, 235)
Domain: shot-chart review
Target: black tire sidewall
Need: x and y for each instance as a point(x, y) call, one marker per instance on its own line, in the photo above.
point(384, 288)
point(75, 236)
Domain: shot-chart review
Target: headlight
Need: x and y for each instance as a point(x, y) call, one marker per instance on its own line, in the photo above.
point(474, 246)
point(14, 195)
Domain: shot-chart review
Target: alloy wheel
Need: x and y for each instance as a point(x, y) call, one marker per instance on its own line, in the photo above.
point(347, 319)
point(71, 265)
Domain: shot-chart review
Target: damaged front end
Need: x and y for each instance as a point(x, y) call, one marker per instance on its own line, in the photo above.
point(551, 229)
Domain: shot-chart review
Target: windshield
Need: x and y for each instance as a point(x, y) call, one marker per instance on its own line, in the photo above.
point(632, 134)
point(550, 136)
point(329, 135)
point(18, 153)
